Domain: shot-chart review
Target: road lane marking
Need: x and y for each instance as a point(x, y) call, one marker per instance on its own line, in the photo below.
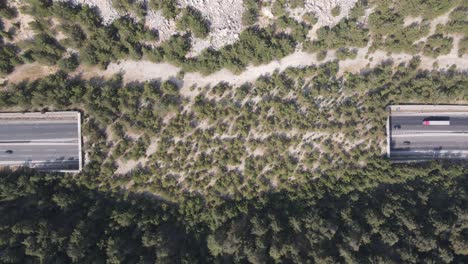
point(430, 135)
point(40, 144)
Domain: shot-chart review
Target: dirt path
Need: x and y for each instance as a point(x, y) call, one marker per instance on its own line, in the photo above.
point(144, 70)
point(30, 71)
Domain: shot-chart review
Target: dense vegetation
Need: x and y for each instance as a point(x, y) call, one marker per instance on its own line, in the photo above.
point(282, 130)
point(8, 52)
point(289, 168)
point(420, 220)
point(251, 12)
point(168, 7)
point(127, 37)
point(192, 20)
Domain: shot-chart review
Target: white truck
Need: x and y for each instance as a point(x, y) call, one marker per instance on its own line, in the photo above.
point(436, 122)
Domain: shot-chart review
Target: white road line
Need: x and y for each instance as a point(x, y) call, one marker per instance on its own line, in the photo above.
point(80, 158)
point(428, 113)
point(409, 131)
point(20, 162)
point(40, 144)
point(430, 135)
point(432, 151)
point(41, 140)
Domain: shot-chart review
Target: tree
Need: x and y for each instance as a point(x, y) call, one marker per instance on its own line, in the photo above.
point(193, 20)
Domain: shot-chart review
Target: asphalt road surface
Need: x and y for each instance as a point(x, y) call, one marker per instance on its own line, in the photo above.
point(410, 138)
point(37, 131)
point(414, 123)
point(45, 145)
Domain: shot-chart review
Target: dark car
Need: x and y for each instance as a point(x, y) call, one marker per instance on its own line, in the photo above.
point(397, 127)
point(9, 151)
point(406, 142)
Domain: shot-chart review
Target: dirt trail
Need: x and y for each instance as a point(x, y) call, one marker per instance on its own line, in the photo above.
point(30, 71)
point(144, 70)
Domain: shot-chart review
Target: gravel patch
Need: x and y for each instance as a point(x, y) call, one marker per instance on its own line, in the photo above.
point(166, 28)
point(225, 18)
point(108, 13)
point(322, 10)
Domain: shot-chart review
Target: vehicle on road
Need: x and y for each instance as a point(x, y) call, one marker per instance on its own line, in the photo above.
point(436, 122)
point(397, 126)
point(406, 142)
point(9, 151)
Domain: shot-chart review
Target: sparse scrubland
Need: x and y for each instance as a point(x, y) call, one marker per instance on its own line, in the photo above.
point(99, 43)
point(288, 168)
point(297, 154)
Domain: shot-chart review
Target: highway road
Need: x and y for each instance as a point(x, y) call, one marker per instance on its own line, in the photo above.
point(446, 141)
point(43, 144)
point(414, 123)
point(38, 152)
point(37, 131)
point(411, 139)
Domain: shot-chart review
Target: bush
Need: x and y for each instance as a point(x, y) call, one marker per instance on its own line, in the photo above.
point(310, 18)
point(8, 58)
point(7, 11)
point(321, 55)
point(98, 44)
point(336, 11)
point(76, 36)
point(278, 8)
point(346, 33)
point(130, 6)
point(425, 8)
point(69, 64)
point(168, 7)
point(458, 21)
point(298, 31)
point(463, 46)
point(175, 48)
point(345, 53)
point(193, 21)
point(390, 34)
point(296, 3)
point(251, 10)
point(437, 45)
point(44, 49)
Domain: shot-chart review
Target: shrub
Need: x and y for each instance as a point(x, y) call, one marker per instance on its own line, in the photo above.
point(437, 45)
point(321, 55)
point(69, 64)
point(346, 33)
point(458, 21)
point(44, 49)
point(8, 58)
point(345, 53)
point(336, 11)
point(255, 45)
point(251, 10)
point(296, 3)
point(310, 18)
point(278, 8)
point(7, 11)
point(168, 7)
point(425, 8)
point(390, 34)
point(463, 46)
point(298, 31)
point(130, 6)
point(175, 48)
point(193, 21)
point(76, 36)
